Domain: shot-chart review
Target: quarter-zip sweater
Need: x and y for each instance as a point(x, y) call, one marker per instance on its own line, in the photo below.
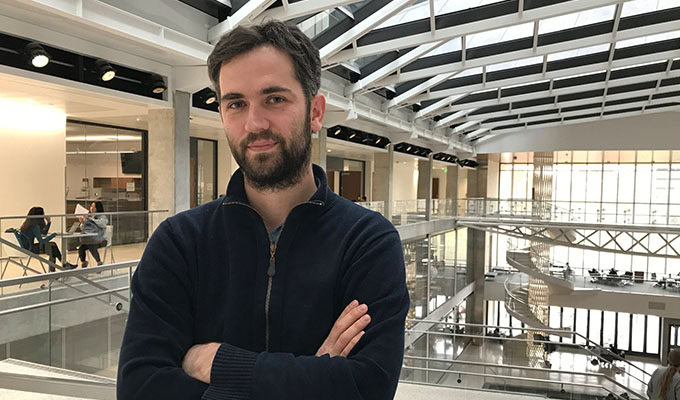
point(211, 274)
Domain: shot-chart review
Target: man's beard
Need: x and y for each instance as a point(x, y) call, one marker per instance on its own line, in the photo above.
point(280, 169)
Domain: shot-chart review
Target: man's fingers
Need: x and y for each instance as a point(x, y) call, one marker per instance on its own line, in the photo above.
point(349, 333)
point(351, 344)
point(345, 321)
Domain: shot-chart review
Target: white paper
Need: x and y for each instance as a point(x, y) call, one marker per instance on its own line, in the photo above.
point(80, 210)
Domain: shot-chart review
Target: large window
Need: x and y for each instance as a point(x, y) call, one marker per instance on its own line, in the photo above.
point(626, 187)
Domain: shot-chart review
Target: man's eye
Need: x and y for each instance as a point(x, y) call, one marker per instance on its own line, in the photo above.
point(276, 99)
point(236, 104)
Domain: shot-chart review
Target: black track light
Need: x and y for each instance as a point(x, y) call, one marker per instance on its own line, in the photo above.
point(37, 55)
point(157, 84)
point(104, 70)
point(210, 96)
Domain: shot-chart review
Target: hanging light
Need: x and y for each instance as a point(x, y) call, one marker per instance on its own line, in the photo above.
point(105, 71)
point(37, 55)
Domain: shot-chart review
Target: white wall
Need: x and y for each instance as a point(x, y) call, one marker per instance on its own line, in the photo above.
point(32, 159)
point(405, 179)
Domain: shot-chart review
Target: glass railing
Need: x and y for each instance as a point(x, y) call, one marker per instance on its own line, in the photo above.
point(68, 319)
point(377, 206)
point(491, 357)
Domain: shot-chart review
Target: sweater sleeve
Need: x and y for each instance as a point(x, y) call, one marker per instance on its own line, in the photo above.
point(159, 326)
point(376, 276)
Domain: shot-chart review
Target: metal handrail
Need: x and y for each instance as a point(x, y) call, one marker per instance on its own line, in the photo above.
point(589, 343)
point(524, 379)
point(89, 214)
point(66, 273)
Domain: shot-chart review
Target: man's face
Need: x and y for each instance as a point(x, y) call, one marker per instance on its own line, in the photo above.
point(266, 117)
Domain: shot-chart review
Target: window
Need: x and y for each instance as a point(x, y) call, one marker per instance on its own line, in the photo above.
point(595, 326)
point(638, 330)
point(609, 328)
point(653, 337)
point(623, 338)
point(581, 325)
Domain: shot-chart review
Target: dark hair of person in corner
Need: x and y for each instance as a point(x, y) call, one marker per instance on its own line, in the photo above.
point(673, 368)
point(287, 38)
point(99, 206)
point(29, 222)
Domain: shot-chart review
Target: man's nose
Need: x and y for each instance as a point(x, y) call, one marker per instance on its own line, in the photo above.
point(257, 119)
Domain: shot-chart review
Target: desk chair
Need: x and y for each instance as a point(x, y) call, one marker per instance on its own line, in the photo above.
point(17, 257)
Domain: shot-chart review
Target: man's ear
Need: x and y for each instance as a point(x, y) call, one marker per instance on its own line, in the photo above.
point(317, 112)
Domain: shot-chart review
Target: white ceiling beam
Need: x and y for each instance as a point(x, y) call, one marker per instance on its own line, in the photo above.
point(247, 12)
point(576, 121)
point(454, 117)
point(366, 84)
point(463, 127)
point(574, 103)
point(363, 27)
point(297, 10)
point(437, 106)
point(528, 53)
point(476, 133)
point(415, 91)
point(468, 29)
point(433, 24)
point(554, 75)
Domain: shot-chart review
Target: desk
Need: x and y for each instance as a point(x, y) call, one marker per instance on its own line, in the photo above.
point(65, 237)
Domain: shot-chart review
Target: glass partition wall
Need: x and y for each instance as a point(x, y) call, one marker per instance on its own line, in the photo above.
point(108, 164)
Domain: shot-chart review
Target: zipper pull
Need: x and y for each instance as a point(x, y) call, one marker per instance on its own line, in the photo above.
point(271, 271)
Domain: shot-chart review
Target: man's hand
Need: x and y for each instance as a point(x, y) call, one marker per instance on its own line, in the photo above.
point(346, 331)
point(198, 361)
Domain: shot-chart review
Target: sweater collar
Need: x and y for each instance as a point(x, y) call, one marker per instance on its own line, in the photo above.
point(236, 190)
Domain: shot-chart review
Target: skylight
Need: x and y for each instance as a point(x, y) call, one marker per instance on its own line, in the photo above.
point(574, 20)
point(647, 39)
point(637, 7)
point(514, 64)
point(500, 35)
point(578, 52)
point(421, 10)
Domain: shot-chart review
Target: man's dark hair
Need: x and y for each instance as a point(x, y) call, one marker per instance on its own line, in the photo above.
point(286, 38)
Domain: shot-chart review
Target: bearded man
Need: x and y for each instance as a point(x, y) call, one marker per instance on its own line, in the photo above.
point(280, 289)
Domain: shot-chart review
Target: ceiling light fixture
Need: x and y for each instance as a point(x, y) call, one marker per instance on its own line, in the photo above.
point(105, 71)
point(157, 84)
point(210, 96)
point(37, 55)
point(352, 135)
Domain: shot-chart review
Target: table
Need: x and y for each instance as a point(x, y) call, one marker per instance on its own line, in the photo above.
point(65, 237)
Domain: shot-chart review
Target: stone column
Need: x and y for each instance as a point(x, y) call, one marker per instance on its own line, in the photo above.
point(161, 163)
point(383, 170)
point(425, 184)
point(451, 194)
point(476, 247)
point(182, 104)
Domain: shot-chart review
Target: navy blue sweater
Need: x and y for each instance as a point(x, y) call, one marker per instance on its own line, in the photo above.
point(204, 277)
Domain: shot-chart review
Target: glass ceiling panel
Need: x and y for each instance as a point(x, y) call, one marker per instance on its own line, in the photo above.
point(314, 26)
point(578, 52)
point(576, 19)
point(515, 64)
point(500, 35)
point(637, 7)
point(421, 9)
point(647, 39)
point(448, 47)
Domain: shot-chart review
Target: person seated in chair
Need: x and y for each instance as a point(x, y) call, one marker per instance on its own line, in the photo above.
point(33, 229)
point(96, 225)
